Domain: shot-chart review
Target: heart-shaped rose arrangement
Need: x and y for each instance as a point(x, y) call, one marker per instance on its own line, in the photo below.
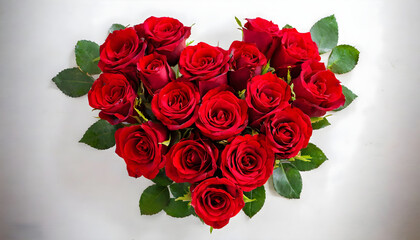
point(210, 126)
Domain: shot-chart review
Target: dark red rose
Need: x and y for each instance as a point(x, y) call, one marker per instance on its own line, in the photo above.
point(221, 114)
point(205, 64)
point(114, 96)
point(263, 33)
point(192, 160)
point(165, 36)
point(287, 130)
point(154, 72)
point(176, 105)
point(216, 200)
point(246, 62)
point(121, 51)
point(139, 146)
point(265, 93)
point(247, 161)
point(295, 48)
point(317, 90)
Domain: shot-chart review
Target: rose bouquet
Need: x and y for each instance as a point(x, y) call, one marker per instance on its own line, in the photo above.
point(209, 126)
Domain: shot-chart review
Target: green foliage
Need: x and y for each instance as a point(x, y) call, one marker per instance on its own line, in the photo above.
point(258, 195)
point(349, 95)
point(325, 34)
point(154, 199)
point(317, 158)
point(178, 209)
point(73, 82)
point(100, 135)
point(116, 26)
point(287, 181)
point(343, 58)
point(162, 179)
point(87, 56)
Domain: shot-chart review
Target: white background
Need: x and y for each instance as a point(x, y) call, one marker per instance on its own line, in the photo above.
point(52, 187)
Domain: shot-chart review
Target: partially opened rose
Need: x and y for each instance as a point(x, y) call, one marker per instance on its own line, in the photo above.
point(263, 33)
point(139, 146)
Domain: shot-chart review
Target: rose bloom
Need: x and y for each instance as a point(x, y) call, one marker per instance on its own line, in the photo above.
point(176, 105)
point(192, 160)
point(221, 114)
point(139, 146)
point(264, 94)
point(295, 48)
point(114, 96)
point(205, 64)
point(246, 62)
point(216, 200)
point(263, 33)
point(247, 161)
point(287, 130)
point(165, 36)
point(317, 90)
point(155, 72)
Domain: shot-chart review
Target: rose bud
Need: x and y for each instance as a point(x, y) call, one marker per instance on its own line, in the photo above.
point(114, 96)
point(247, 161)
point(216, 200)
point(205, 64)
point(222, 115)
point(246, 62)
point(139, 146)
point(263, 33)
point(176, 105)
point(165, 35)
point(154, 72)
point(317, 90)
point(265, 93)
point(192, 160)
point(295, 48)
point(287, 130)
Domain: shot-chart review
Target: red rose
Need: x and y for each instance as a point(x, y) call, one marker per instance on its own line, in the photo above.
point(295, 48)
point(246, 62)
point(247, 161)
point(139, 146)
point(192, 160)
point(205, 64)
point(287, 130)
point(265, 93)
point(221, 114)
point(317, 90)
point(263, 33)
point(176, 105)
point(121, 51)
point(114, 96)
point(154, 72)
point(216, 200)
point(165, 36)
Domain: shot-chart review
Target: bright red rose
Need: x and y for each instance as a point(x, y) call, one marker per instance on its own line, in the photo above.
point(165, 36)
point(247, 161)
point(216, 200)
point(139, 146)
point(121, 51)
point(317, 90)
point(176, 105)
point(265, 93)
point(192, 160)
point(246, 62)
point(295, 48)
point(221, 114)
point(287, 130)
point(154, 72)
point(205, 64)
point(114, 96)
point(263, 33)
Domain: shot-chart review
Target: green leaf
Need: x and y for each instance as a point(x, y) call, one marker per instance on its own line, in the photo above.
point(116, 26)
point(178, 209)
point(162, 179)
point(73, 82)
point(238, 22)
point(325, 34)
point(287, 26)
point(87, 56)
point(100, 135)
point(321, 123)
point(343, 58)
point(317, 158)
point(287, 181)
point(251, 208)
point(179, 189)
point(349, 95)
point(153, 199)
